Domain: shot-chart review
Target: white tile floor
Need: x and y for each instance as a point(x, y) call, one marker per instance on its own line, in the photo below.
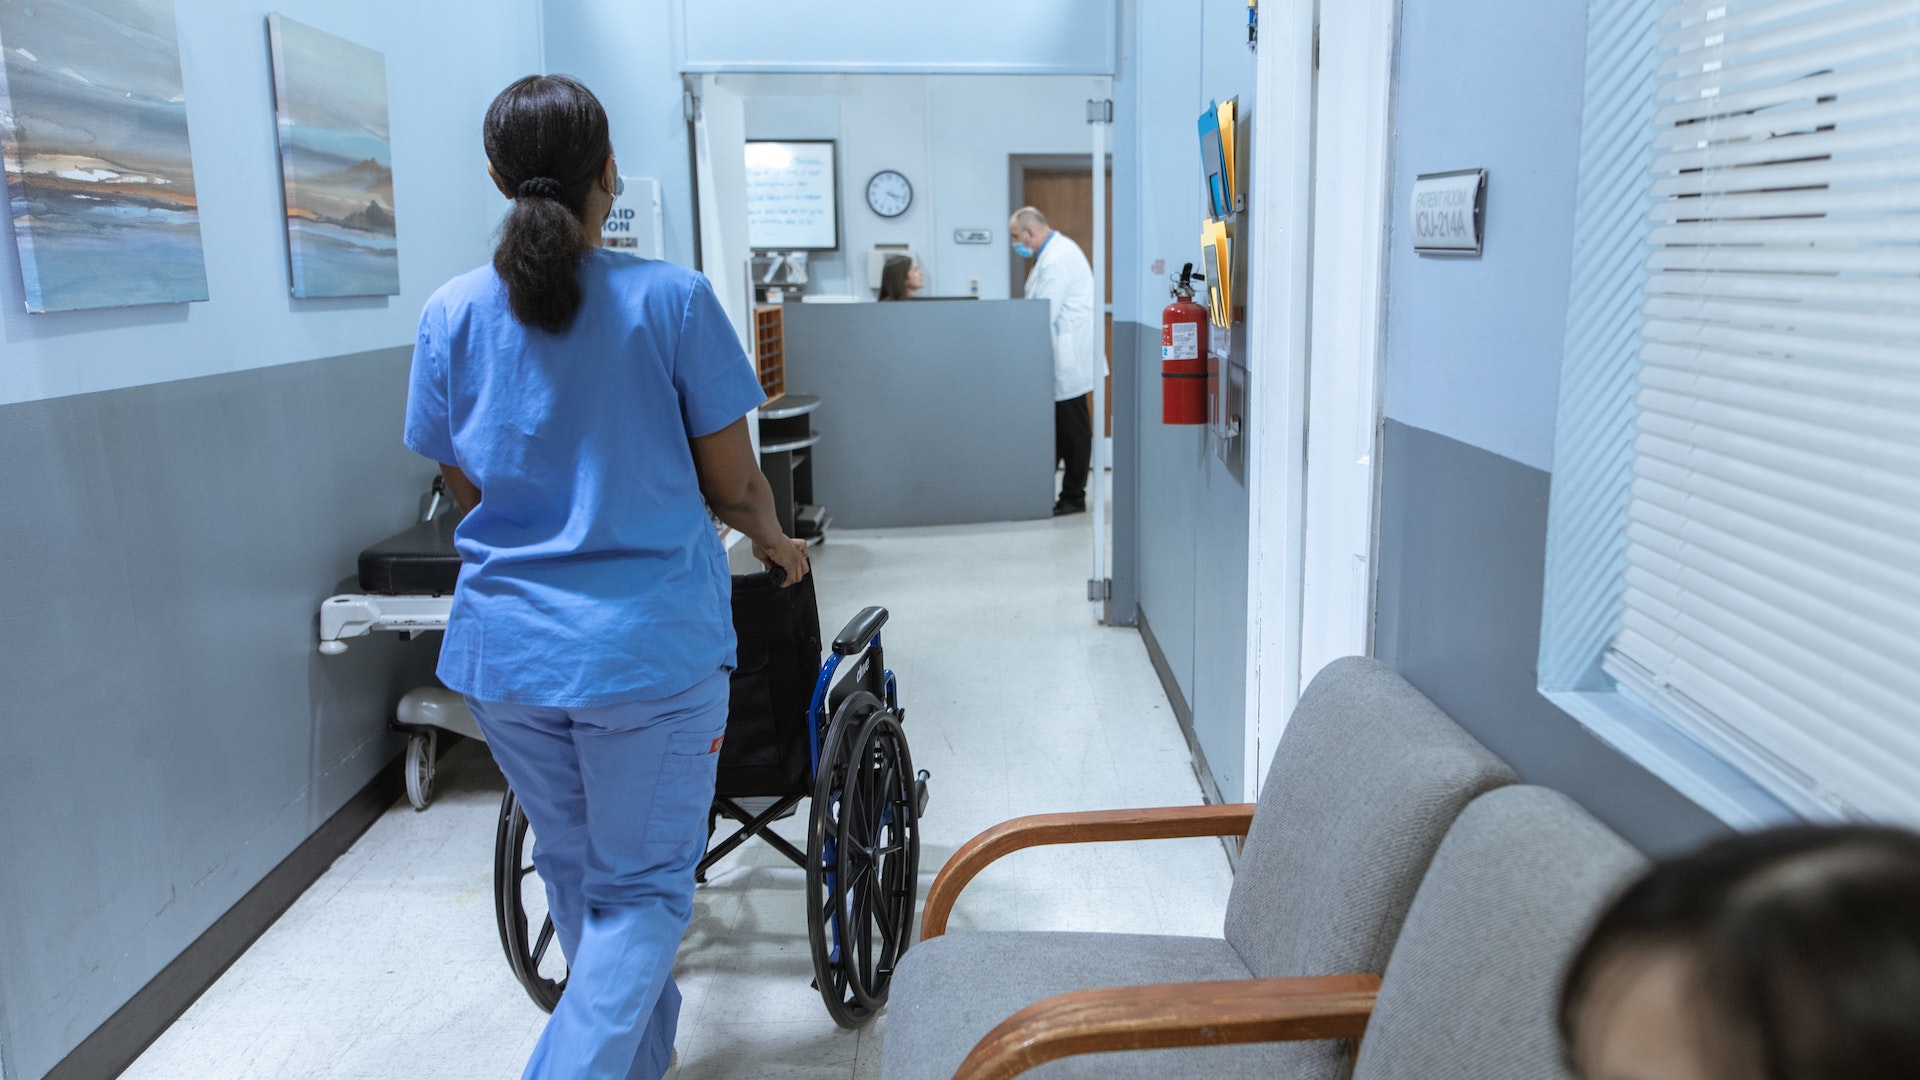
point(1017, 702)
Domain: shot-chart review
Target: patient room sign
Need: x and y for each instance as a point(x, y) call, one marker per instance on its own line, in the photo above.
point(1449, 212)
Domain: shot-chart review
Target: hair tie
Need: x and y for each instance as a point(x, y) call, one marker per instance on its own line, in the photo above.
point(544, 187)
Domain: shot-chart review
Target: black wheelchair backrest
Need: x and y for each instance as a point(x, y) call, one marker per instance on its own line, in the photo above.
point(778, 630)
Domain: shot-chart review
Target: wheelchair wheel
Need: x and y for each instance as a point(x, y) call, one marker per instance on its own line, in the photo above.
point(863, 859)
point(519, 899)
point(879, 857)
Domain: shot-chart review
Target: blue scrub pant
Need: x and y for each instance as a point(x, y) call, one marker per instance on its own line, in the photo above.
point(618, 798)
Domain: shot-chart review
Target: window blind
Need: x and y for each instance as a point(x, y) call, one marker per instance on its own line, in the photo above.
point(1772, 597)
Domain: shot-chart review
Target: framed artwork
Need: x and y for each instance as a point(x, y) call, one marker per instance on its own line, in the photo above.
point(336, 162)
point(99, 170)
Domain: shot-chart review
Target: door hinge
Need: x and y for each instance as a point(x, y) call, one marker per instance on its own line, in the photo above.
point(1316, 46)
point(1100, 589)
point(690, 105)
point(1100, 112)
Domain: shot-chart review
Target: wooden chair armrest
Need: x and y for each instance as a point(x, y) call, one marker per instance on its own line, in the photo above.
point(1155, 823)
point(1173, 1015)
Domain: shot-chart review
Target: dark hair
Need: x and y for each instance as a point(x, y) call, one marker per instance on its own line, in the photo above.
point(1802, 945)
point(546, 138)
point(893, 277)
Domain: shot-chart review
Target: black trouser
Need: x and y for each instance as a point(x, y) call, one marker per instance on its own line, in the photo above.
point(1073, 444)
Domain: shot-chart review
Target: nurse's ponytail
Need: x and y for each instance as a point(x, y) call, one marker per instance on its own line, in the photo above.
point(546, 138)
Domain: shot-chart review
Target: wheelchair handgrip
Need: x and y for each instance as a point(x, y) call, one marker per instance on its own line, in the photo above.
point(855, 635)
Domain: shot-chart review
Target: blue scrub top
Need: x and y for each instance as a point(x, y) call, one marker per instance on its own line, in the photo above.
point(591, 573)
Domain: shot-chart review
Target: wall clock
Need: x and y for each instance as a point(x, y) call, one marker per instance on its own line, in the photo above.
point(889, 194)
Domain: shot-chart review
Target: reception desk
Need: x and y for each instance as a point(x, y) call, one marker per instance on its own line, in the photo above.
point(932, 413)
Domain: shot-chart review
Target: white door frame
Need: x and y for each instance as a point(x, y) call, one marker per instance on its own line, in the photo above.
point(719, 132)
point(1278, 309)
point(1100, 584)
point(1322, 169)
point(1353, 183)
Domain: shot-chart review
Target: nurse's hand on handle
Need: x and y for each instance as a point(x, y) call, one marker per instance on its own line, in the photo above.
point(737, 492)
point(787, 560)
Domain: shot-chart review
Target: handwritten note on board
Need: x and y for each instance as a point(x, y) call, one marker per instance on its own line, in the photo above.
point(792, 196)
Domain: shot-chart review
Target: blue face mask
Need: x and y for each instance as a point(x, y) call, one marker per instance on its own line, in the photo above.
point(1022, 250)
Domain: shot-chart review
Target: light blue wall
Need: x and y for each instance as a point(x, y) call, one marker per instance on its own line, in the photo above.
point(1474, 348)
point(1474, 344)
point(1061, 37)
point(627, 52)
point(631, 52)
point(180, 486)
point(1190, 552)
point(445, 62)
point(1158, 198)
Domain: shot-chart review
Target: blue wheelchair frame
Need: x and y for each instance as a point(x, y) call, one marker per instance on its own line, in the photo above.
point(851, 967)
point(869, 651)
point(851, 976)
point(860, 638)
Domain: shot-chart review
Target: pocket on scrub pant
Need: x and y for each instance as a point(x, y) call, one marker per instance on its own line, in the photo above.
point(685, 792)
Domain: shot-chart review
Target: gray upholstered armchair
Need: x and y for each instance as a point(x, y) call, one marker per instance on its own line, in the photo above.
point(1469, 991)
point(1364, 785)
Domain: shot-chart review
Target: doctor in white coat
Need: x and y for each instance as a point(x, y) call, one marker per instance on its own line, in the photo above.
point(1062, 276)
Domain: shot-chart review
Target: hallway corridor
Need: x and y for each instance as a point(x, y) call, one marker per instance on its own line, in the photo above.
point(1016, 701)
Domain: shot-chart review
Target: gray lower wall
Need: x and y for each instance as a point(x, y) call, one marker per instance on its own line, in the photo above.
point(1462, 555)
point(931, 413)
point(1191, 560)
point(168, 732)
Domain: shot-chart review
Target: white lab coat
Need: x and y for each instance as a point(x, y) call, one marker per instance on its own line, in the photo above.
point(1063, 277)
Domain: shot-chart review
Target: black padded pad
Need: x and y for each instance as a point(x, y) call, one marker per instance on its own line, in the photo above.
point(767, 752)
point(420, 561)
point(854, 638)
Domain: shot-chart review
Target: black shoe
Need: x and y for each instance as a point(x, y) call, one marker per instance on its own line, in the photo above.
point(1069, 506)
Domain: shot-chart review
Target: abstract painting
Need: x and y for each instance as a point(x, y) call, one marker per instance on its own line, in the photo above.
point(99, 172)
point(336, 162)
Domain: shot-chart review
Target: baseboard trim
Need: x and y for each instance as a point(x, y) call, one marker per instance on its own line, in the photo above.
point(1183, 713)
point(125, 1035)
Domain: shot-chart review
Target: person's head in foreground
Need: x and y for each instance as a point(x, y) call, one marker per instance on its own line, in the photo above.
point(900, 278)
point(1791, 954)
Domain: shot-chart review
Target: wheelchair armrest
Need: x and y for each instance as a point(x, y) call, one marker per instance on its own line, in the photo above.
point(855, 635)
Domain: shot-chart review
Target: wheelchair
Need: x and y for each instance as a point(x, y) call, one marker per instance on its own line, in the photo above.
point(798, 730)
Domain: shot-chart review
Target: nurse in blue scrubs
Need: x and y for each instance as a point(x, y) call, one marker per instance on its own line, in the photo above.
point(588, 408)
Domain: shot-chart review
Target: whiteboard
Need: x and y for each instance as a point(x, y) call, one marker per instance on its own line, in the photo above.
point(793, 195)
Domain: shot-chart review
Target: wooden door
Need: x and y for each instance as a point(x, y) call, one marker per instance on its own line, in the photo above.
point(1066, 197)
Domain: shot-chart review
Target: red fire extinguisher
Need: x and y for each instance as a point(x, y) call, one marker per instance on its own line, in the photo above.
point(1183, 354)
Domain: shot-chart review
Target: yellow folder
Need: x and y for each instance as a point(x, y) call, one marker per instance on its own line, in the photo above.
point(1228, 112)
point(1216, 242)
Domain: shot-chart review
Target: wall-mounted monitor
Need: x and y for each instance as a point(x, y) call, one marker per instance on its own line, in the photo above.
point(793, 195)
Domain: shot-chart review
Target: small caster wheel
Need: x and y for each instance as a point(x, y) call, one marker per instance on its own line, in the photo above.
point(421, 749)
